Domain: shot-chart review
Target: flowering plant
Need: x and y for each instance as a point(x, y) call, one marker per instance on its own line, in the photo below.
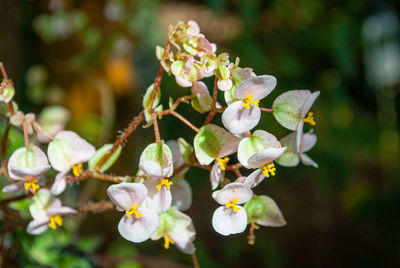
point(154, 199)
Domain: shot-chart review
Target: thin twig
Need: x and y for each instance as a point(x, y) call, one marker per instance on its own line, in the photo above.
point(213, 104)
point(184, 120)
point(96, 207)
point(156, 129)
point(267, 110)
point(195, 261)
point(26, 134)
point(121, 139)
point(3, 71)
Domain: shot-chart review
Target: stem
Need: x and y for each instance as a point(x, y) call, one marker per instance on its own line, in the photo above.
point(4, 144)
point(26, 135)
point(96, 207)
point(3, 71)
point(121, 139)
point(213, 104)
point(195, 261)
point(184, 120)
point(156, 129)
point(267, 110)
point(86, 174)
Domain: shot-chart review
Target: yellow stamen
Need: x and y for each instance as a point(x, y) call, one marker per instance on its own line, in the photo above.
point(247, 101)
point(310, 119)
point(254, 226)
point(269, 170)
point(165, 182)
point(133, 210)
point(77, 169)
point(54, 221)
point(31, 184)
point(167, 241)
point(232, 204)
point(223, 162)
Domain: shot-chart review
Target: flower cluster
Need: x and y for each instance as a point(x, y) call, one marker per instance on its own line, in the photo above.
point(154, 199)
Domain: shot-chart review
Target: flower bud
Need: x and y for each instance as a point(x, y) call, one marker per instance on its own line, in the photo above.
point(264, 211)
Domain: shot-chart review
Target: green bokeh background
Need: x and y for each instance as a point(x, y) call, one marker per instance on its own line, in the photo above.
point(344, 214)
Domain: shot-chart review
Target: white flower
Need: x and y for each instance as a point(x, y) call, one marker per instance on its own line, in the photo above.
point(231, 218)
point(139, 223)
point(67, 151)
point(156, 161)
point(244, 114)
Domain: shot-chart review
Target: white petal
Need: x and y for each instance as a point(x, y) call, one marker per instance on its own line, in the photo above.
point(153, 169)
point(176, 155)
point(265, 156)
point(308, 141)
point(181, 194)
point(225, 84)
point(31, 162)
point(68, 149)
point(309, 102)
point(36, 227)
point(306, 160)
point(237, 119)
point(255, 178)
point(138, 230)
point(216, 176)
point(260, 86)
point(299, 135)
point(13, 187)
point(59, 183)
point(62, 211)
point(234, 190)
point(226, 221)
point(125, 195)
point(157, 200)
point(199, 87)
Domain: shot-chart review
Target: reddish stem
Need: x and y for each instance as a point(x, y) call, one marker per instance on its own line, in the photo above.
point(267, 110)
point(184, 120)
point(26, 135)
point(3, 71)
point(156, 129)
point(213, 104)
point(195, 261)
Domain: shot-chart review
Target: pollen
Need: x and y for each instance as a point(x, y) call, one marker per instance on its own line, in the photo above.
point(232, 204)
point(31, 184)
point(77, 169)
point(167, 241)
point(310, 119)
point(223, 162)
point(54, 221)
point(165, 182)
point(133, 210)
point(269, 170)
point(248, 100)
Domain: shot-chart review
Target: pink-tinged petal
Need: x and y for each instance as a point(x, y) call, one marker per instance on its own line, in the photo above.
point(157, 200)
point(226, 221)
point(62, 211)
point(193, 28)
point(125, 195)
point(36, 227)
point(306, 160)
point(297, 98)
point(153, 169)
point(177, 158)
point(255, 178)
point(237, 119)
point(308, 141)
point(68, 149)
point(14, 187)
point(265, 156)
point(299, 135)
point(308, 103)
point(228, 142)
point(241, 74)
point(234, 190)
point(225, 84)
point(205, 45)
point(273, 216)
point(27, 162)
point(138, 230)
point(59, 183)
point(199, 87)
point(216, 176)
point(181, 194)
point(259, 86)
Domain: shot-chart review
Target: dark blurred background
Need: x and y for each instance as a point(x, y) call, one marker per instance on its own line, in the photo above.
point(97, 57)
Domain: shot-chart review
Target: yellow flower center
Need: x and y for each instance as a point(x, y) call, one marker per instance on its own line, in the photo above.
point(77, 169)
point(223, 162)
point(247, 101)
point(165, 182)
point(167, 241)
point(54, 221)
point(31, 184)
point(232, 204)
point(133, 210)
point(269, 170)
point(310, 119)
